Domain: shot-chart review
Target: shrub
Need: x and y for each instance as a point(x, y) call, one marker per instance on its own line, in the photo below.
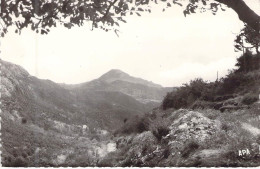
point(160, 132)
point(135, 125)
point(142, 125)
point(235, 81)
point(187, 94)
point(250, 98)
point(160, 127)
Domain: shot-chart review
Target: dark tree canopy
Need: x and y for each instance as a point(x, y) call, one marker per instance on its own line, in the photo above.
point(248, 39)
point(41, 15)
point(248, 62)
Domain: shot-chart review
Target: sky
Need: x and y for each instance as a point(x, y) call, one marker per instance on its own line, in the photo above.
point(164, 47)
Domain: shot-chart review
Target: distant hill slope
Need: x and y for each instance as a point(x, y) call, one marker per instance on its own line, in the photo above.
point(115, 75)
point(43, 122)
point(104, 102)
point(115, 80)
point(34, 99)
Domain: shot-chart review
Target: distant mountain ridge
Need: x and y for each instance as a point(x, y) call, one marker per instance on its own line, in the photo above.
point(104, 102)
point(116, 74)
point(116, 80)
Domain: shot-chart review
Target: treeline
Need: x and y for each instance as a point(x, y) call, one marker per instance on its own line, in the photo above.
point(244, 79)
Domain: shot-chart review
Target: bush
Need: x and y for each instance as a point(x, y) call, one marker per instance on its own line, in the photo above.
point(142, 125)
point(160, 132)
point(250, 98)
point(187, 94)
point(235, 82)
point(135, 125)
point(160, 127)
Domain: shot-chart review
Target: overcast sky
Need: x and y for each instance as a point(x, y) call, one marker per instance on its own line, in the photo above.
point(164, 47)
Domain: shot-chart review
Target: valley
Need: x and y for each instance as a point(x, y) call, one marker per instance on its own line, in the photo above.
point(54, 121)
point(121, 121)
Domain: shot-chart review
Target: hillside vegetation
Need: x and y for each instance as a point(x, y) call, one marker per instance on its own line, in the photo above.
point(237, 90)
point(199, 124)
point(49, 124)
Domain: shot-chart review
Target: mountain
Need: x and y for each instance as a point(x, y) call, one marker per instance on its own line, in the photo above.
point(118, 75)
point(35, 97)
point(116, 80)
point(105, 102)
point(46, 124)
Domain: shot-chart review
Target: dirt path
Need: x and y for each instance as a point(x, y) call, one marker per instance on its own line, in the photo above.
point(253, 130)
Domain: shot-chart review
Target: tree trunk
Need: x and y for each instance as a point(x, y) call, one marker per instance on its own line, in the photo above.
point(245, 14)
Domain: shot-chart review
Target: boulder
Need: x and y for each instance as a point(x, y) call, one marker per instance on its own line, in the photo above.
point(191, 125)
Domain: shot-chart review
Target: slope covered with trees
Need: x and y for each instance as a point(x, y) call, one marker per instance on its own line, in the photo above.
point(200, 125)
point(240, 85)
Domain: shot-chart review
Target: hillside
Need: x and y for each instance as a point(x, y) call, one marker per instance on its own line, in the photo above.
point(115, 80)
point(201, 124)
point(41, 112)
point(32, 96)
point(116, 74)
point(191, 138)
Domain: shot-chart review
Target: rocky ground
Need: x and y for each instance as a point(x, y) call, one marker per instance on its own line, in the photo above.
point(195, 138)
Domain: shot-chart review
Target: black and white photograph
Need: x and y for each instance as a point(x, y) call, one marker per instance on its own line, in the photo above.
point(130, 83)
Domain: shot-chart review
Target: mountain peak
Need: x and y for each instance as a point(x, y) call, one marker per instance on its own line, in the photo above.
point(113, 74)
point(119, 75)
point(115, 71)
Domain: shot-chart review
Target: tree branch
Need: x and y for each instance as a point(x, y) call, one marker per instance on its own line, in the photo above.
point(245, 14)
point(108, 9)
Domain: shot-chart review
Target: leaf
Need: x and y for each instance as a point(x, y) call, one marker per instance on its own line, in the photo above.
point(168, 4)
point(174, 1)
point(43, 32)
point(186, 13)
point(68, 25)
point(21, 7)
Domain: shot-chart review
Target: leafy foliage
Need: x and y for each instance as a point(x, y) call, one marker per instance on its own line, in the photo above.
point(248, 38)
point(200, 93)
point(160, 127)
point(248, 62)
point(187, 94)
point(41, 15)
point(134, 125)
